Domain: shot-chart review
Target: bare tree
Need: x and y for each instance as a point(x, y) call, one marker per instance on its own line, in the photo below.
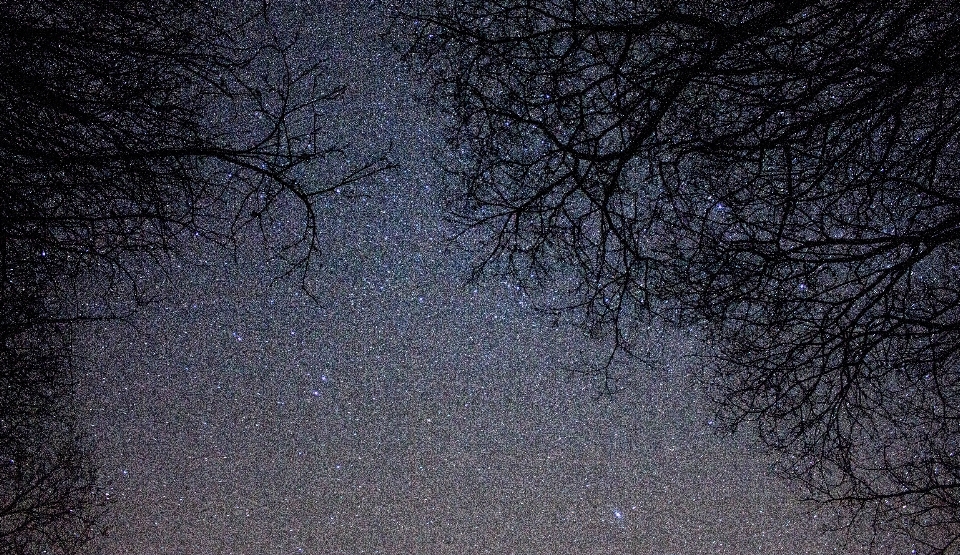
point(129, 127)
point(783, 175)
point(50, 499)
point(129, 124)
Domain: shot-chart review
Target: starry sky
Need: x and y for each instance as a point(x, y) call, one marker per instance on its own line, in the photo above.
point(404, 410)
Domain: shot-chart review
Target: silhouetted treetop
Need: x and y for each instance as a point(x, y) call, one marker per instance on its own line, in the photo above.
point(784, 175)
point(130, 129)
point(50, 499)
point(128, 123)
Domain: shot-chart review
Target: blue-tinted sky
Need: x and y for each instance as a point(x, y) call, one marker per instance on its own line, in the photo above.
point(404, 410)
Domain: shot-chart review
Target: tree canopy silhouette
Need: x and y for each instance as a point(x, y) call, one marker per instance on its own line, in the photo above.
point(128, 128)
point(785, 176)
point(130, 123)
point(50, 498)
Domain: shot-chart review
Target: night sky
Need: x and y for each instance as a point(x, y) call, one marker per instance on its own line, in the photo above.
point(404, 410)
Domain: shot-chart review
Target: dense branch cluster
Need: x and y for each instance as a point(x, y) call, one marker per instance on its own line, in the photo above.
point(132, 123)
point(50, 500)
point(128, 128)
point(784, 175)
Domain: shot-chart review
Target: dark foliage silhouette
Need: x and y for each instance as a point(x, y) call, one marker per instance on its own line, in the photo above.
point(782, 175)
point(129, 124)
point(50, 500)
point(129, 130)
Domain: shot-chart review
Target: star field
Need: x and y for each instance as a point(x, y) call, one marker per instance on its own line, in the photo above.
point(404, 410)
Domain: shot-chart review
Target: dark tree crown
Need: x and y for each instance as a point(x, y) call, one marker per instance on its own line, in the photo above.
point(782, 175)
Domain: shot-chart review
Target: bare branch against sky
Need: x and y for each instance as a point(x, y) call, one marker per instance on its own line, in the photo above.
point(781, 176)
point(320, 277)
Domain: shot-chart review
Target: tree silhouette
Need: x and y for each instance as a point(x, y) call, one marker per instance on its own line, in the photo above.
point(128, 129)
point(782, 175)
point(50, 500)
point(129, 124)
